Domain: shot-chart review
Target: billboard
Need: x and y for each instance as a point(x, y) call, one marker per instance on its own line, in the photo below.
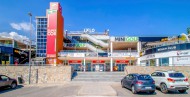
point(51, 33)
point(20, 56)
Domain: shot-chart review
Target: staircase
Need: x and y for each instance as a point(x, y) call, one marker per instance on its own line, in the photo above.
point(98, 76)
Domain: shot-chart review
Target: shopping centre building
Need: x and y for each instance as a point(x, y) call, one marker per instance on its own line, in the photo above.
point(90, 50)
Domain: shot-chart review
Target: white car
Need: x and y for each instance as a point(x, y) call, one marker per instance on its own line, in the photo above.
point(170, 80)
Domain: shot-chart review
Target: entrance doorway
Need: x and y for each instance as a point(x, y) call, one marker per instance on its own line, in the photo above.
point(120, 65)
point(98, 67)
point(76, 65)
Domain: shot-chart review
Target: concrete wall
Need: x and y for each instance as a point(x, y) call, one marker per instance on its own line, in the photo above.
point(150, 69)
point(39, 74)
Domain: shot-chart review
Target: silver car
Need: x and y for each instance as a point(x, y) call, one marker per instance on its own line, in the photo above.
point(5, 81)
point(170, 80)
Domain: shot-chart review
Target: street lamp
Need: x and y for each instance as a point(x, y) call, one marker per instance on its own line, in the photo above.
point(30, 15)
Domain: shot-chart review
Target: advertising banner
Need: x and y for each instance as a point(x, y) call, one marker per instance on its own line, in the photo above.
point(20, 56)
point(51, 33)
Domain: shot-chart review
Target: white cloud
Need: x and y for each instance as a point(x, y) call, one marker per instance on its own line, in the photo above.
point(21, 26)
point(16, 36)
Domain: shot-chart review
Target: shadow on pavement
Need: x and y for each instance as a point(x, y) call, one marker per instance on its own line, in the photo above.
point(172, 92)
point(7, 89)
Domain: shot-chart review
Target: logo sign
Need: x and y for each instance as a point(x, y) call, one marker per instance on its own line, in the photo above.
point(119, 38)
point(88, 30)
point(51, 32)
point(78, 55)
point(102, 54)
point(52, 11)
point(91, 55)
point(182, 53)
point(161, 49)
point(181, 60)
point(98, 61)
point(131, 39)
point(127, 39)
point(150, 56)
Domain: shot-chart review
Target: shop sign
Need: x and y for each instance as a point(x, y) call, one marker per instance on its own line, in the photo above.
point(150, 56)
point(102, 54)
point(131, 39)
point(166, 48)
point(78, 55)
point(91, 55)
point(127, 39)
point(75, 61)
point(183, 53)
point(120, 54)
point(98, 61)
point(122, 61)
point(181, 60)
point(61, 54)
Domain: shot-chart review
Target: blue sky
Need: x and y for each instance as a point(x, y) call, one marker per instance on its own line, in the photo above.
point(121, 17)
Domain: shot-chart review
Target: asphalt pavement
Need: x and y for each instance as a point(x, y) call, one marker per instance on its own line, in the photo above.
point(71, 90)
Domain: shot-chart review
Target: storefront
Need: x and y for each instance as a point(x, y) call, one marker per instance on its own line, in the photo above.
point(6, 55)
point(170, 58)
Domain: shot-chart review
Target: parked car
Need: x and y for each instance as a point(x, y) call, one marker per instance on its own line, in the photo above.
point(6, 81)
point(170, 80)
point(139, 83)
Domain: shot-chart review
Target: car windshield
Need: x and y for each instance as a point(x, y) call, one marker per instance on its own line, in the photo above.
point(144, 77)
point(177, 75)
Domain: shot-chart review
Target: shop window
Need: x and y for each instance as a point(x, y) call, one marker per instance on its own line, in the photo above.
point(164, 61)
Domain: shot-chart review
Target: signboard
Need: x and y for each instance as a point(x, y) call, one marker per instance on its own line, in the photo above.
point(181, 60)
point(166, 48)
point(98, 61)
point(51, 33)
point(74, 61)
point(20, 56)
point(126, 39)
point(183, 53)
point(102, 54)
point(122, 61)
point(75, 45)
point(78, 55)
point(91, 55)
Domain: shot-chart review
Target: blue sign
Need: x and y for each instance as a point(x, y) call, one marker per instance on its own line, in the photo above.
point(102, 54)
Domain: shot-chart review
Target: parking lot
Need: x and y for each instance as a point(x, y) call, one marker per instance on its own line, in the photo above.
point(72, 88)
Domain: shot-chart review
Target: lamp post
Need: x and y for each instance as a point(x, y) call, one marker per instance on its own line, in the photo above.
point(30, 15)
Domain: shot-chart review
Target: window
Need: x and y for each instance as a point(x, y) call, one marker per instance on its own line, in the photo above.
point(154, 74)
point(176, 75)
point(144, 77)
point(4, 78)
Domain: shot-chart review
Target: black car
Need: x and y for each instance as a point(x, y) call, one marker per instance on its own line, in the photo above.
point(6, 81)
point(139, 83)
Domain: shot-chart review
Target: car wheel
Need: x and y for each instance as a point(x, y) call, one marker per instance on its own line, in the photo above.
point(163, 88)
point(133, 90)
point(182, 91)
point(122, 85)
point(13, 85)
point(151, 92)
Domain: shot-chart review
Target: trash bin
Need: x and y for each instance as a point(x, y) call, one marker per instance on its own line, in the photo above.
point(20, 80)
